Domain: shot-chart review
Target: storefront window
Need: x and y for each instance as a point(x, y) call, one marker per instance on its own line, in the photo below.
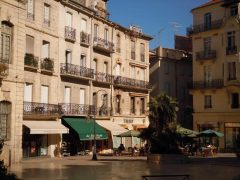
point(232, 135)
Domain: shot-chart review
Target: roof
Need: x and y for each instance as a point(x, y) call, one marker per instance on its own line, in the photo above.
point(212, 2)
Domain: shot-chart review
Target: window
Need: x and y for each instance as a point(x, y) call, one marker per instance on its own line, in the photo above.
point(118, 44)
point(167, 88)
point(29, 44)
point(83, 25)
point(30, 9)
point(133, 50)
point(45, 49)
point(132, 72)
point(207, 74)
point(207, 21)
point(118, 70)
point(46, 20)
point(28, 92)
point(44, 94)
point(83, 60)
point(166, 68)
point(82, 96)
point(234, 100)
point(231, 39)
point(106, 35)
point(142, 52)
point(67, 95)
point(68, 56)
point(95, 30)
point(118, 104)
point(207, 45)
point(94, 99)
point(105, 67)
point(208, 101)
point(234, 10)
point(5, 112)
point(68, 19)
point(232, 71)
point(142, 105)
point(6, 38)
point(142, 74)
point(132, 105)
point(94, 65)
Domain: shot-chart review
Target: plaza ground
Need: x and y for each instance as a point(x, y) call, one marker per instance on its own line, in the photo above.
point(222, 167)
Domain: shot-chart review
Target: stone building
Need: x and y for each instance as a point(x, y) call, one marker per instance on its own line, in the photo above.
point(68, 63)
point(170, 72)
point(215, 86)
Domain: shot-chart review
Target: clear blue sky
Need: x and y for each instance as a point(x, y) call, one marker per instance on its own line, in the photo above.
point(154, 16)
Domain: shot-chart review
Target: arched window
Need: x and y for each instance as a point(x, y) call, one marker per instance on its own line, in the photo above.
point(6, 44)
point(5, 112)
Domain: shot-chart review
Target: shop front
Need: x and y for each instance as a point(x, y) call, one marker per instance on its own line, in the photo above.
point(232, 136)
point(42, 138)
point(81, 135)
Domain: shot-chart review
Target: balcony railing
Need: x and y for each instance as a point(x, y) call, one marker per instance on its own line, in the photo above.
point(85, 38)
point(103, 77)
point(119, 80)
point(47, 64)
point(103, 111)
point(70, 33)
point(231, 50)
point(31, 61)
point(73, 109)
point(204, 27)
point(103, 44)
point(75, 70)
point(33, 108)
point(213, 84)
point(205, 55)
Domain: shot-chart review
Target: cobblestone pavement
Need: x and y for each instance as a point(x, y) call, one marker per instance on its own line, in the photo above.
point(125, 168)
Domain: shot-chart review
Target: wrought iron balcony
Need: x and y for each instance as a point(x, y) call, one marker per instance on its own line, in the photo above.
point(103, 77)
point(30, 61)
point(75, 70)
point(134, 83)
point(213, 84)
point(73, 109)
point(33, 108)
point(70, 34)
point(204, 27)
point(85, 38)
point(102, 44)
point(206, 55)
point(231, 50)
point(47, 64)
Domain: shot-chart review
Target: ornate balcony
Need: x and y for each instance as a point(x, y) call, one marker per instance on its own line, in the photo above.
point(33, 108)
point(76, 71)
point(103, 77)
point(85, 38)
point(213, 84)
point(30, 62)
point(73, 109)
point(204, 27)
point(133, 83)
point(103, 45)
point(70, 34)
point(231, 50)
point(47, 65)
point(206, 55)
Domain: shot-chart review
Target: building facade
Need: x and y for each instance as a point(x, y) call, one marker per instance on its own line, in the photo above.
point(215, 86)
point(67, 61)
point(170, 71)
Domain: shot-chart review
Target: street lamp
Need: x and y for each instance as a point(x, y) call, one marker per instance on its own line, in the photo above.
point(92, 115)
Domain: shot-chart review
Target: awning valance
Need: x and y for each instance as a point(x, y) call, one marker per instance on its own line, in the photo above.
point(114, 128)
point(85, 129)
point(45, 127)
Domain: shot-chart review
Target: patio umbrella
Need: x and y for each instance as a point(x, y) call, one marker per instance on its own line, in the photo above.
point(210, 133)
point(130, 133)
point(186, 132)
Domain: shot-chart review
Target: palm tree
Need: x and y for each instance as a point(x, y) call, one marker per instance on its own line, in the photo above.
point(162, 129)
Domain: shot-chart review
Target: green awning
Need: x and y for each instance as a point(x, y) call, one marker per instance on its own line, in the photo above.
point(85, 129)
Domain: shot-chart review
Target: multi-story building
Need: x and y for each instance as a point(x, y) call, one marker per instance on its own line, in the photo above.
point(170, 71)
point(215, 86)
point(68, 63)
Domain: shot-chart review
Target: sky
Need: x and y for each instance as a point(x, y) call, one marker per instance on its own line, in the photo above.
point(157, 18)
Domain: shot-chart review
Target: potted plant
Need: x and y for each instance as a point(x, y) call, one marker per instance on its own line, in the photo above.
point(161, 133)
point(47, 64)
